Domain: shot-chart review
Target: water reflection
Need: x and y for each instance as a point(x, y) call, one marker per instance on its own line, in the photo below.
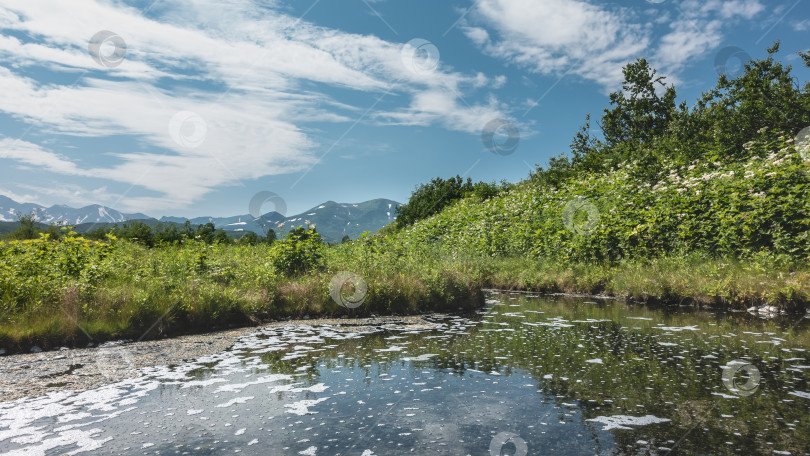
point(528, 375)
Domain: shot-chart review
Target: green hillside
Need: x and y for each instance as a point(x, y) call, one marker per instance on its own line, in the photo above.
point(725, 178)
point(746, 208)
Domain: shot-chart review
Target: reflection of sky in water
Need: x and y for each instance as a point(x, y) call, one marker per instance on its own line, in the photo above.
point(566, 377)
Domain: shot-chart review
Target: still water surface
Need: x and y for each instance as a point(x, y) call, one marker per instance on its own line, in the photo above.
point(528, 375)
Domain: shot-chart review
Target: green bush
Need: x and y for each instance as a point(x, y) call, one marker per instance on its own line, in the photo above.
point(300, 252)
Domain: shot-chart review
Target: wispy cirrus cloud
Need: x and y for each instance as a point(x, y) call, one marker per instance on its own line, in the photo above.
point(594, 40)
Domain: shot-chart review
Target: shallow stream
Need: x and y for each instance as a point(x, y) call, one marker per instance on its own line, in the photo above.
point(527, 375)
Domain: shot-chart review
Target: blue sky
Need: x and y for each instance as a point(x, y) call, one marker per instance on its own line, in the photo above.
point(189, 108)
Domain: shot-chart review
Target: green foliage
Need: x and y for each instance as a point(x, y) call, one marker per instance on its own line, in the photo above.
point(300, 252)
point(433, 197)
point(249, 238)
point(28, 227)
point(639, 114)
point(648, 129)
point(764, 96)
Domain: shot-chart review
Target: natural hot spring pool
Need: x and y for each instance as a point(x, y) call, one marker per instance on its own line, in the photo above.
point(527, 375)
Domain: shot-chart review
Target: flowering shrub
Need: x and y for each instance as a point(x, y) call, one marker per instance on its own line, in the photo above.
point(737, 209)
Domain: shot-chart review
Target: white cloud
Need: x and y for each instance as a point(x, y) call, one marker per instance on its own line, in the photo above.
point(64, 193)
point(263, 64)
point(19, 197)
point(686, 40)
point(700, 29)
point(442, 107)
point(595, 41)
point(32, 155)
point(559, 36)
point(801, 26)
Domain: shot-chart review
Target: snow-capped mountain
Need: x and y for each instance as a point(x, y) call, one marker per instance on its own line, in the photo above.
point(88, 214)
point(333, 220)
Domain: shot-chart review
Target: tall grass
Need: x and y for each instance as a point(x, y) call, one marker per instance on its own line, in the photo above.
point(74, 291)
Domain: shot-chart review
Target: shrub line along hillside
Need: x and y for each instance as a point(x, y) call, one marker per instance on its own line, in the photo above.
point(708, 205)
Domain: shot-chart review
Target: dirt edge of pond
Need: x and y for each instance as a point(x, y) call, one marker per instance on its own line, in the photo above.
point(78, 369)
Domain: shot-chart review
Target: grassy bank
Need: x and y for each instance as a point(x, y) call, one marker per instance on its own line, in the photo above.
point(76, 291)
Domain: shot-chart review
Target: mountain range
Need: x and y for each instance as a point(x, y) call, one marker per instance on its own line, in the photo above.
point(333, 220)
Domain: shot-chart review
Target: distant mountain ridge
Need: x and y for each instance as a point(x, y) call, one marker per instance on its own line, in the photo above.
point(58, 213)
point(332, 220)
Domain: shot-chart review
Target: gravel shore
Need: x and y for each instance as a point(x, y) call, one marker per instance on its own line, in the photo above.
point(36, 374)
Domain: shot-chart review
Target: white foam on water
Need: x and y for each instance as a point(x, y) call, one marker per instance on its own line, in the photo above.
point(302, 407)
point(800, 394)
point(237, 400)
point(624, 421)
point(677, 328)
point(424, 357)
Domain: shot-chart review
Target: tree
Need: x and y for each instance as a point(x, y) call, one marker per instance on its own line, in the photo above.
point(167, 234)
point(345, 239)
point(639, 114)
point(28, 227)
point(763, 96)
point(205, 233)
point(431, 198)
point(221, 237)
point(270, 237)
point(137, 231)
point(54, 230)
point(806, 57)
point(249, 238)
